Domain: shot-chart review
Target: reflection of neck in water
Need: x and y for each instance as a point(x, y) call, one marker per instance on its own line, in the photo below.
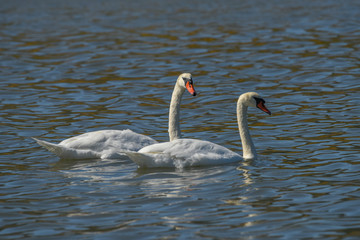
point(245, 172)
point(247, 181)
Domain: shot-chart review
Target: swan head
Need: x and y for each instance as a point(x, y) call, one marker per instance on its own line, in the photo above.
point(253, 99)
point(185, 81)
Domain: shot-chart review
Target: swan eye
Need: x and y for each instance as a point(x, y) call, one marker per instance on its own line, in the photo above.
point(258, 100)
point(187, 80)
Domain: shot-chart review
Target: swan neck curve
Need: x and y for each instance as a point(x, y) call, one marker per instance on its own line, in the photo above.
point(174, 113)
point(249, 151)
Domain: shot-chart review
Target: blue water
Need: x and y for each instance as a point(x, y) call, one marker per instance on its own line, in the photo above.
point(72, 67)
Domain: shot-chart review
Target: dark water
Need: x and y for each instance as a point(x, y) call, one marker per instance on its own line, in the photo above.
point(69, 67)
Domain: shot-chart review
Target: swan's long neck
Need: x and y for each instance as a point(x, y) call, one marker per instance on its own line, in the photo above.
point(248, 147)
point(174, 113)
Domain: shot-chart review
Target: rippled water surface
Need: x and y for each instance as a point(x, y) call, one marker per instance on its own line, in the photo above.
point(69, 67)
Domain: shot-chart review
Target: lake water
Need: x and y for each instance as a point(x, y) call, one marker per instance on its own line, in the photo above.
point(69, 67)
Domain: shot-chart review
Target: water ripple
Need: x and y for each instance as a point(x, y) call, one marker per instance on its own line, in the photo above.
point(73, 67)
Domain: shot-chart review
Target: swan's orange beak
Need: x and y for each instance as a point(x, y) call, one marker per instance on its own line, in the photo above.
point(190, 88)
point(261, 105)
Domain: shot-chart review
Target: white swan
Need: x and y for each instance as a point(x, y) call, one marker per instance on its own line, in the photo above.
point(192, 152)
point(108, 144)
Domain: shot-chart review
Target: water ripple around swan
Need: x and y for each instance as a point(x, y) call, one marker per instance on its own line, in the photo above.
point(72, 67)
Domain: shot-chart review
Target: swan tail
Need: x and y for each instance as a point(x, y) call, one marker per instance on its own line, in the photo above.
point(54, 148)
point(67, 153)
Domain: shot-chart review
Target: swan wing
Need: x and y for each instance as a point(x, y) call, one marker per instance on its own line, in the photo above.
point(105, 139)
point(152, 160)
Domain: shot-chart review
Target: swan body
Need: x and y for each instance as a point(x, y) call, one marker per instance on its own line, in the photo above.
point(107, 144)
point(192, 152)
point(182, 153)
point(104, 144)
